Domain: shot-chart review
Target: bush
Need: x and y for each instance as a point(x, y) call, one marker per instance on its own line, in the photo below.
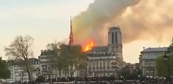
point(40, 79)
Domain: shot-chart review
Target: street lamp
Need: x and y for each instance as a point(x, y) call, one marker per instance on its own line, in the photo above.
point(166, 60)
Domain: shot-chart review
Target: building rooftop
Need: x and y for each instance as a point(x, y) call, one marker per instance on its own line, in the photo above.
point(101, 54)
point(33, 59)
point(98, 49)
point(18, 62)
point(114, 28)
point(158, 49)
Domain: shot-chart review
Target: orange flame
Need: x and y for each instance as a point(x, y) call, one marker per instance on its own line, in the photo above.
point(88, 46)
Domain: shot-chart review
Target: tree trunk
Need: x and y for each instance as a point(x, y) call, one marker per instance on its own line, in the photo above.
point(71, 74)
point(71, 70)
point(65, 73)
point(60, 73)
point(28, 70)
point(29, 73)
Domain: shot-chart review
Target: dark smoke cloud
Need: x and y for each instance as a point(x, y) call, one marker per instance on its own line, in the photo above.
point(138, 19)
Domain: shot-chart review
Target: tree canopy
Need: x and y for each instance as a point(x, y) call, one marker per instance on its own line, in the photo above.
point(4, 71)
point(55, 60)
point(20, 49)
point(40, 79)
point(162, 68)
point(129, 73)
point(67, 58)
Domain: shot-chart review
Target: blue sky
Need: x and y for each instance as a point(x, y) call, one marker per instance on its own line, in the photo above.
point(44, 20)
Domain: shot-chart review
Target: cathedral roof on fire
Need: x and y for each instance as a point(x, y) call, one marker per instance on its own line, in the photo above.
point(100, 51)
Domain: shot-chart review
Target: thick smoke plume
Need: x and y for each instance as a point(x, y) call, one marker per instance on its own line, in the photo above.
point(138, 19)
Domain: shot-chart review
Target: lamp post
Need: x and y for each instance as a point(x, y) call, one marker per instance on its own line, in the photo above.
point(166, 60)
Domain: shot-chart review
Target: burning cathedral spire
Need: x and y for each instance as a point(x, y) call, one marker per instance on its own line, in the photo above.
point(71, 33)
point(85, 47)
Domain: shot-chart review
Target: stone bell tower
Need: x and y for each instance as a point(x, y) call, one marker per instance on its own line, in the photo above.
point(115, 41)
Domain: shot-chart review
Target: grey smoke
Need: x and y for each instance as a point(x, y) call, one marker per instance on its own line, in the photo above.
point(138, 19)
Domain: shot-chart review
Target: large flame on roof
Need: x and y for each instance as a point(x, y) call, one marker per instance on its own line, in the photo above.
point(88, 46)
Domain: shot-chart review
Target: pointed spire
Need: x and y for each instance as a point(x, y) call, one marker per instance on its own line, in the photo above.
point(71, 33)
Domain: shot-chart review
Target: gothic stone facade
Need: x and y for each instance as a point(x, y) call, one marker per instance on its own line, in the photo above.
point(106, 60)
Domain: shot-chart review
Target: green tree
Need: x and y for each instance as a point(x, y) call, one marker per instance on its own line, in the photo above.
point(40, 79)
point(73, 58)
point(125, 72)
point(67, 58)
point(136, 74)
point(78, 59)
point(130, 73)
point(20, 49)
point(4, 71)
point(55, 59)
point(162, 68)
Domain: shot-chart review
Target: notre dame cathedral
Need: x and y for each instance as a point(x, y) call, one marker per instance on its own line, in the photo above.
point(106, 60)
